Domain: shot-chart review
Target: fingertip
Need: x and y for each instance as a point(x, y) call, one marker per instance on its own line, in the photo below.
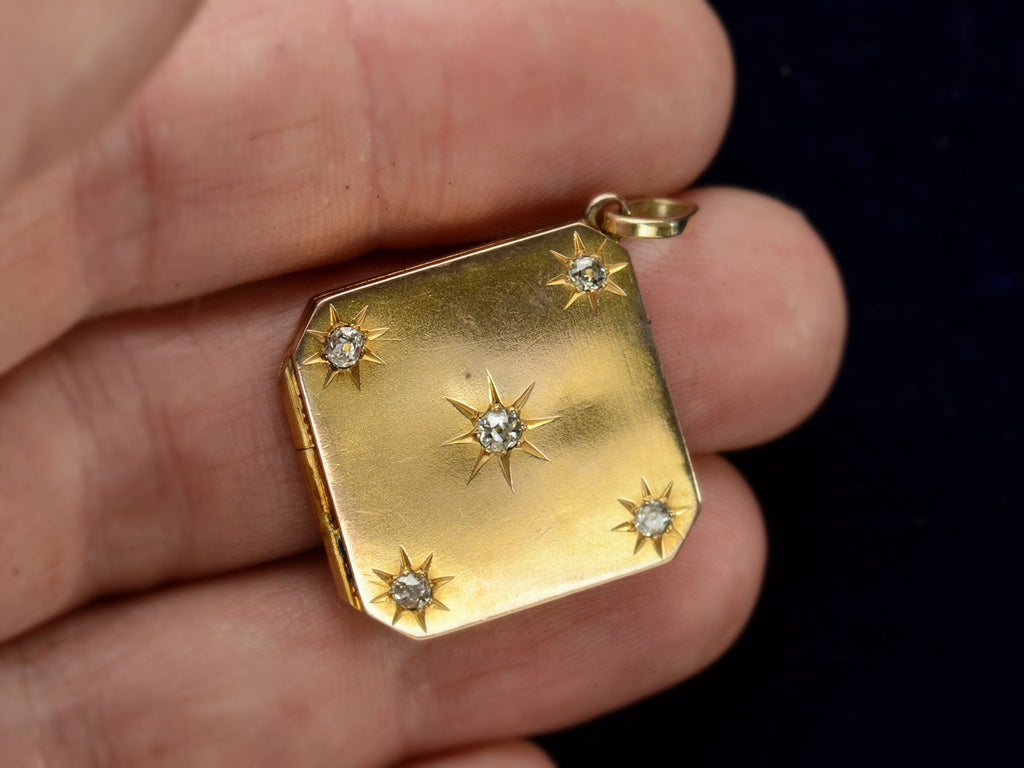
point(506, 754)
point(69, 67)
point(728, 550)
point(749, 313)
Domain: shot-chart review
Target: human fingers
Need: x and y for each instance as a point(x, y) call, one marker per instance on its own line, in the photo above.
point(504, 754)
point(153, 446)
point(66, 67)
point(281, 136)
point(750, 318)
point(267, 667)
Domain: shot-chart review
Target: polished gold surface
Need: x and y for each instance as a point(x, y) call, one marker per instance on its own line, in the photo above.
point(659, 217)
point(385, 481)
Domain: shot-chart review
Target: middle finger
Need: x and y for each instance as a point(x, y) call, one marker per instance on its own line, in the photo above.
point(151, 447)
point(281, 136)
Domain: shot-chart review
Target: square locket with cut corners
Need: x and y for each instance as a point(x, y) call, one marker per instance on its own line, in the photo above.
point(489, 431)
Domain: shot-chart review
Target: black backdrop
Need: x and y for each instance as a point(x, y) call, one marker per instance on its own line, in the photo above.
point(887, 631)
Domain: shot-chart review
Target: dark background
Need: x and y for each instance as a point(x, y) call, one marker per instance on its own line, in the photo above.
point(887, 632)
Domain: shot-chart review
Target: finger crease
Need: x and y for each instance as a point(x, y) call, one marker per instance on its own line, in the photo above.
point(116, 203)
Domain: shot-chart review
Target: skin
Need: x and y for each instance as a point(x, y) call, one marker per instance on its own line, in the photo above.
point(175, 184)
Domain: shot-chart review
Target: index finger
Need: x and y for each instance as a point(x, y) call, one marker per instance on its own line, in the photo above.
point(65, 67)
point(283, 136)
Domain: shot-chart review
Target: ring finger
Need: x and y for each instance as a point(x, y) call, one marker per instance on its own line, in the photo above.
point(163, 445)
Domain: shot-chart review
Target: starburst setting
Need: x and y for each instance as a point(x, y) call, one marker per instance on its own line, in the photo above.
point(345, 346)
point(499, 430)
point(411, 589)
point(652, 518)
point(587, 273)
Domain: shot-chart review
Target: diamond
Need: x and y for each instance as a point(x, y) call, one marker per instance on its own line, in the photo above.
point(499, 430)
point(587, 273)
point(412, 590)
point(344, 347)
point(652, 518)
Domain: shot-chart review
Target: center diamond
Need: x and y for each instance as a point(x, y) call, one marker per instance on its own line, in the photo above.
point(652, 518)
point(587, 273)
point(412, 590)
point(344, 347)
point(499, 430)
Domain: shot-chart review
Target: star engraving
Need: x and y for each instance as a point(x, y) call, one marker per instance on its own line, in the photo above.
point(499, 430)
point(652, 518)
point(344, 346)
point(411, 589)
point(587, 273)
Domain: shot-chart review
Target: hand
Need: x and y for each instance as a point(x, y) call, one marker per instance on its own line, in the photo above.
point(166, 599)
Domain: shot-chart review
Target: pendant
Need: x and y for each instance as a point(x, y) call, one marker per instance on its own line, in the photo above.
point(492, 430)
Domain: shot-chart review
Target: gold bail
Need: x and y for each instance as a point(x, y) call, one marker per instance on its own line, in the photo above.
point(654, 218)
